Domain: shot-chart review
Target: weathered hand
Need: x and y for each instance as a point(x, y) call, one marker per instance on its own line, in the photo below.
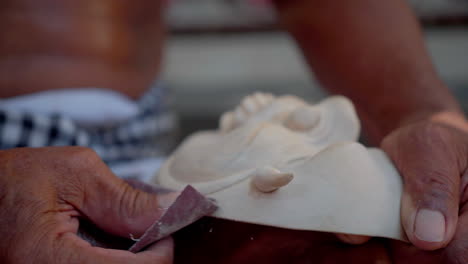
point(44, 191)
point(432, 157)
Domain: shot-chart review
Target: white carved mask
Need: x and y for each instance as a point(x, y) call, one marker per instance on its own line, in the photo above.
point(282, 162)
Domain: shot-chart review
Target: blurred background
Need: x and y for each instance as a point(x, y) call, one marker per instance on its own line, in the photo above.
point(221, 50)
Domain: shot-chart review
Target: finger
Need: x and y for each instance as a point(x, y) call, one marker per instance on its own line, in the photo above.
point(71, 249)
point(109, 202)
point(122, 209)
point(353, 239)
point(429, 164)
point(162, 249)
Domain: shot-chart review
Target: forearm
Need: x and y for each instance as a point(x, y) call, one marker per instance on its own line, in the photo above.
point(373, 52)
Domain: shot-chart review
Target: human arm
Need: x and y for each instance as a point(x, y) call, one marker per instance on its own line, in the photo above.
point(373, 52)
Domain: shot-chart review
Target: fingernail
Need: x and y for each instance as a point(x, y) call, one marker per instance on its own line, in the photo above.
point(429, 225)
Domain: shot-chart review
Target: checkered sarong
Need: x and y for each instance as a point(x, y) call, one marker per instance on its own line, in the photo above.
point(149, 134)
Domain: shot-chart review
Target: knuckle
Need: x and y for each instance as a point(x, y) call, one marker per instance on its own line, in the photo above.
point(82, 156)
point(427, 156)
point(77, 160)
point(429, 136)
point(436, 186)
point(128, 201)
point(73, 170)
point(432, 129)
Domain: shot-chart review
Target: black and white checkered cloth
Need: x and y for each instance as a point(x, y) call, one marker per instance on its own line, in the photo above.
point(150, 134)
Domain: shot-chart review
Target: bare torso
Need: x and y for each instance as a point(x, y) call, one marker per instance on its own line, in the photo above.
point(54, 44)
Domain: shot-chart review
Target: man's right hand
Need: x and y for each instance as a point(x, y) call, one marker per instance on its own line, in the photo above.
point(44, 191)
point(432, 156)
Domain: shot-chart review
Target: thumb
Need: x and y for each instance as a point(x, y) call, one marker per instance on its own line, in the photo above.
point(428, 158)
point(116, 207)
point(163, 249)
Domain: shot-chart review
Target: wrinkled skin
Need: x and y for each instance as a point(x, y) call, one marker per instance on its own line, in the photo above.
point(432, 156)
point(45, 191)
